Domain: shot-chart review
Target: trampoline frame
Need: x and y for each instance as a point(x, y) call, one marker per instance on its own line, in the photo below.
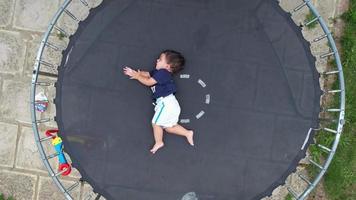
point(45, 44)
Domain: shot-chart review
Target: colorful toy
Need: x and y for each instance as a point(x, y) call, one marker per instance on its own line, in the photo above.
point(58, 146)
point(41, 102)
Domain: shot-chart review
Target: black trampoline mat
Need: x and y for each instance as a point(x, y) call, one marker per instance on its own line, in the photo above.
point(249, 90)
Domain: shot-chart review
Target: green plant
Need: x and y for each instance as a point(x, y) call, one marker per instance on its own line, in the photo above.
point(61, 35)
point(288, 197)
point(2, 197)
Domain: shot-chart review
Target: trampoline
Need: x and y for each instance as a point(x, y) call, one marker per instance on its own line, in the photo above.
point(249, 90)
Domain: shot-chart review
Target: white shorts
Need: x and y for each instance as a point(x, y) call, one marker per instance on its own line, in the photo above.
point(167, 111)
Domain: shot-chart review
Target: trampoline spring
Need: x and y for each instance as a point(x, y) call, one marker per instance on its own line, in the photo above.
point(46, 138)
point(43, 120)
point(311, 21)
point(47, 74)
point(324, 148)
point(331, 72)
point(333, 91)
point(300, 6)
point(52, 46)
point(328, 119)
point(333, 110)
point(316, 164)
point(330, 130)
point(320, 37)
point(46, 63)
point(327, 54)
point(71, 15)
point(39, 102)
point(60, 172)
point(84, 3)
point(98, 196)
point(304, 178)
point(72, 186)
point(43, 83)
point(52, 156)
point(61, 30)
point(88, 197)
point(292, 192)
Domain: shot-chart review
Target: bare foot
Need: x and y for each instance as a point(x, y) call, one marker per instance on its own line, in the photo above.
point(190, 137)
point(156, 147)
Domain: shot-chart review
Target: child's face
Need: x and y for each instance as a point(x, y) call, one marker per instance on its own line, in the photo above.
point(162, 62)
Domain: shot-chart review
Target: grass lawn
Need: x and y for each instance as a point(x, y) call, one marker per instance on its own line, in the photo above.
point(2, 197)
point(340, 179)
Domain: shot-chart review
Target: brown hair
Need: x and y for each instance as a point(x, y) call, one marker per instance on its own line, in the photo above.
point(175, 59)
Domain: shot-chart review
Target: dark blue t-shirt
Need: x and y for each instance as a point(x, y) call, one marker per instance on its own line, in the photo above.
point(165, 84)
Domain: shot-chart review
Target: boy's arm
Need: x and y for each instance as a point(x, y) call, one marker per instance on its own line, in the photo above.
point(144, 73)
point(148, 81)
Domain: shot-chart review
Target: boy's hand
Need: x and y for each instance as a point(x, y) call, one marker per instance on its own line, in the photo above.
point(140, 76)
point(131, 73)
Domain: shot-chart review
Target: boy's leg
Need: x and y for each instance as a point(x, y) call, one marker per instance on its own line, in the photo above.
point(180, 130)
point(158, 135)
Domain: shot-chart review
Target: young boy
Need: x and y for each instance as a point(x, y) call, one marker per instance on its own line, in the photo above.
point(167, 108)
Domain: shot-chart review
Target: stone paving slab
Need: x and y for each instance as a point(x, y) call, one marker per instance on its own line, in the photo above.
point(79, 10)
point(28, 156)
point(91, 3)
point(299, 16)
point(6, 10)
point(327, 10)
point(94, 3)
point(12, 51)
point(8, 136)
point(49, 55)
point(19, 185)
point(88, 193)
point(298, 184)
point(48, 190)
point(15, 100)
point(34, 15)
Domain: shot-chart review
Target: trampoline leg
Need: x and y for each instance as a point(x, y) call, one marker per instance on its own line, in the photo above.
point(158, 135)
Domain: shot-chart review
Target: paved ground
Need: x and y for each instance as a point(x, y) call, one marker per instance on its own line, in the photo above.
point(22, 24)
